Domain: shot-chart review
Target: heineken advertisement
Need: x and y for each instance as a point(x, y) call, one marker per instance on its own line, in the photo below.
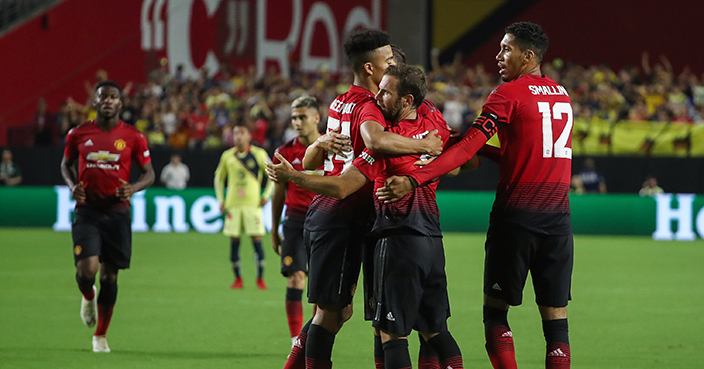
point(665, 217)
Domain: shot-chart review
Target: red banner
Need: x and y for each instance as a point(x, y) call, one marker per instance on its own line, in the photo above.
point(56, 54)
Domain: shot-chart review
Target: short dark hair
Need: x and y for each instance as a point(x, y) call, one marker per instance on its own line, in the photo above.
point(305, 102)
point(361, 43)
point(529, 36)
point(108, 83)
point(399, 55)
point(411, 80)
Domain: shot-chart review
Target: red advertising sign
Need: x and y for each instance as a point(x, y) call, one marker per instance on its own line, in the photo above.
point(53, 55)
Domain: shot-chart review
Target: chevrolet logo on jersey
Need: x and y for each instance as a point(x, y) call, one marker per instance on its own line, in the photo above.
point(103, 156)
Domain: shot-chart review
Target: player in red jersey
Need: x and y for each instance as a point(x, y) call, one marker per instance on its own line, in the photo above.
point(294, 257)
point(101, 231)
point(410, 288)
point(336, 231)
point(530, 227)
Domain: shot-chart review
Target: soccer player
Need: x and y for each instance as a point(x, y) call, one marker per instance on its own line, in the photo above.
point(294, 257)
point(530, 227)
point(410, 287)
point(101, 231)
point(243, 167)
point(336, 231)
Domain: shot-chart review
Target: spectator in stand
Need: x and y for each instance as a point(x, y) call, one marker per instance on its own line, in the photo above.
point(45, 132)
point(10, 173)
point(592, 181)
point(175, 175)
point(198, 123)
point(650, 187)
point(179, 140)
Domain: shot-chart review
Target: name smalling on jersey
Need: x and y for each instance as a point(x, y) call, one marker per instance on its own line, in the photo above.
point(548, 90)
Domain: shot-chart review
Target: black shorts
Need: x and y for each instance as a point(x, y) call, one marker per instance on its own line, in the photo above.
point(105, 233)
point(512, 251)
point(294, 256)
point(334, 264)
point(368, 277)
point(410, 286)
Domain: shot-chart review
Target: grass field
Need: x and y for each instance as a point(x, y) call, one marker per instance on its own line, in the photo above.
point(637, 304)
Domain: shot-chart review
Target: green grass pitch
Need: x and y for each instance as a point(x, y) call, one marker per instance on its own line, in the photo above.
point(637, 304)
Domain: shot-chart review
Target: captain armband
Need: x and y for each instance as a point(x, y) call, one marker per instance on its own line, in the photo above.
point(487, 123)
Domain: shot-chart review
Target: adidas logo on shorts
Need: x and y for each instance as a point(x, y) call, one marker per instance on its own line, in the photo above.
point(390, 317)
point(496, 287)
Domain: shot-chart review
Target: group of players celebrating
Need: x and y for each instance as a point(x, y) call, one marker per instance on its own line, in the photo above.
point(375, 206)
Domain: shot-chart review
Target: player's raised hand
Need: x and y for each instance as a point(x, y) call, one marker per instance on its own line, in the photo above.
point(335, 142)
point(79, 192)
point(394, 189)
point(125, 191)
point(282, 172)
point(433, 143)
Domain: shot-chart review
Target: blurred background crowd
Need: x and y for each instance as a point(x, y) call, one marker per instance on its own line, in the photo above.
point(199, 113)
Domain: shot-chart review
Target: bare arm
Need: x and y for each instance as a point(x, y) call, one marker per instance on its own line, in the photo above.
point(331, 141)
point(277, 206)
point(70, 174)
point(378, 140)
point(333, 186)
point(126, 190)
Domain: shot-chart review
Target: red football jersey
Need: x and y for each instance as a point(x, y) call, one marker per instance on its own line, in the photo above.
point(347, 111)
point(417, 210)
point(104, 158)
point(535, 131)
point(297, 198)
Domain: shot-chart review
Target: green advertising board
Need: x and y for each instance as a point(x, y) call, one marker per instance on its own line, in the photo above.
point(668, 216)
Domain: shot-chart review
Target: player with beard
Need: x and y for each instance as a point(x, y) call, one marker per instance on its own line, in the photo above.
point(337, 230)
point(410, 288)
point(101, 231)
point(530, 227)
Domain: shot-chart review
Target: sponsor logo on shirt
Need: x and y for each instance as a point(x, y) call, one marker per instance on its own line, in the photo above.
point(103, 160)
point(368, 158)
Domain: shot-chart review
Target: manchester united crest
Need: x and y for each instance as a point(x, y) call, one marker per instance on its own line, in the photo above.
point(120, 144)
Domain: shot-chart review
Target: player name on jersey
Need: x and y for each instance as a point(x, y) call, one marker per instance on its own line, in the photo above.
point(548, 90)
point(342, 108)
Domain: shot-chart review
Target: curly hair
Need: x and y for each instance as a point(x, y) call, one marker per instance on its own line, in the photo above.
point(529, 36)
point(360, 45)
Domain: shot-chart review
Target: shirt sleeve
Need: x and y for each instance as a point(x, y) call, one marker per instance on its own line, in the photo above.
point(219, 179)
point(141, 151)
point(371, 112)
point(71, 150)
point(370, 163)
point(499, 104)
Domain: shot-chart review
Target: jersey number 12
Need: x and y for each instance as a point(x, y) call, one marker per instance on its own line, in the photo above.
point(558, 149)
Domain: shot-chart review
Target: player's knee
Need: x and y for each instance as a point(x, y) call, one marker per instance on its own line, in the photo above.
point(88, 268)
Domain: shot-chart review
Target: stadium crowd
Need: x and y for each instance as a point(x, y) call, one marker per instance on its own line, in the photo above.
point(200, 113)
